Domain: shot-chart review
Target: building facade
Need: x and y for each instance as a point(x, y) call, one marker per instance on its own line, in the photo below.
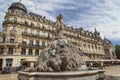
point(109, 49)
point(25, 34)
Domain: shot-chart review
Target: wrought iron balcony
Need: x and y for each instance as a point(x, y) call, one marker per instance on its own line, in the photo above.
point(11, 43)
point(23, 53)
point(11, 22)
point(10, 52)
point(27, 34)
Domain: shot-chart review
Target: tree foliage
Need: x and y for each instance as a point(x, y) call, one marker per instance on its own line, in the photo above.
point(117, 51)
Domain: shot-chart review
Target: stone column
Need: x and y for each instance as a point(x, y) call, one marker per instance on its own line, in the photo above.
point(19, 50)
point(5, 50)
point(8, 35)
point(33, 51)
point(39, 51)
point(4, 63)
point(15, 51)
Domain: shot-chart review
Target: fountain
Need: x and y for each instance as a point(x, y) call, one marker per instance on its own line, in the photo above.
point(60, 61)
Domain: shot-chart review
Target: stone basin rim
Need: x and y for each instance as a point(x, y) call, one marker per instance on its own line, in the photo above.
point(65, 73)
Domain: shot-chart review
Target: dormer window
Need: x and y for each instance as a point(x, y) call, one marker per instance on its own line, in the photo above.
point(26, 23)
point(32, 24)
point(12, 10)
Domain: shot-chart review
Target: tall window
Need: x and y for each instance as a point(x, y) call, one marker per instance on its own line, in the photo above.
point(37, 33)
point(9, 62)
point(96, 47)
point(31, 43)
point(23, 52)
point(37, 43)
point(106, 51)
point(14, 28)
point(1, 50)
point(25, 30)
point(24, 42)
point(31, 31)
point(10, 51)
point(36, 52)
point(48, 35)
point(15, 19)
point(26, 23)
point(43, 33)
point(11, 40)
point(30, 52)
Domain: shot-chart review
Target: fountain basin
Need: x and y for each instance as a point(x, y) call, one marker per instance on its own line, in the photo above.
point(70, 75)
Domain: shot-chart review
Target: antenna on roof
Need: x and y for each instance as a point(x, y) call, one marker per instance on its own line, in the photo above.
point(95, 29)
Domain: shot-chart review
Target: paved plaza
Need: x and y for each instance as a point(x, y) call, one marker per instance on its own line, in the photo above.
point(112, 70)
point(8, 77)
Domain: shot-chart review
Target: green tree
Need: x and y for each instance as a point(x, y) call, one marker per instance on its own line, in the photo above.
point(117, 51)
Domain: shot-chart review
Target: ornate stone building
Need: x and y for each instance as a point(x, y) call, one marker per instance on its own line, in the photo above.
point(25, 34)
point(109, 49)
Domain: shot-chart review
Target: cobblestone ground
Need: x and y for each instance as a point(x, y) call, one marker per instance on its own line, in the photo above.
point(112, 70)
point(8, 77)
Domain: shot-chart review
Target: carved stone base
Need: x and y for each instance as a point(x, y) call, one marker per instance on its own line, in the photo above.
point(73, 75)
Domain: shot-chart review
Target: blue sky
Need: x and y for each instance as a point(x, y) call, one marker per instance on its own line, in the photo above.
point(104, 15)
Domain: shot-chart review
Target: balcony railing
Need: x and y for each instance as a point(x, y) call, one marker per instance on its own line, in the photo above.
point(26, 24)
point(10, 52)
point(33, 46)
point(23, 53)
point(11, 21)
point(36, 35)
point(8, 43)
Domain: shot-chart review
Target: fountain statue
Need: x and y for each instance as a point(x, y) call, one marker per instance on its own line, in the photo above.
point(60, 60)
point(59, 55)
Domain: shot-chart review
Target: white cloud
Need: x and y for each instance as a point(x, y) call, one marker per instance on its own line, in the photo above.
point(102, 14)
